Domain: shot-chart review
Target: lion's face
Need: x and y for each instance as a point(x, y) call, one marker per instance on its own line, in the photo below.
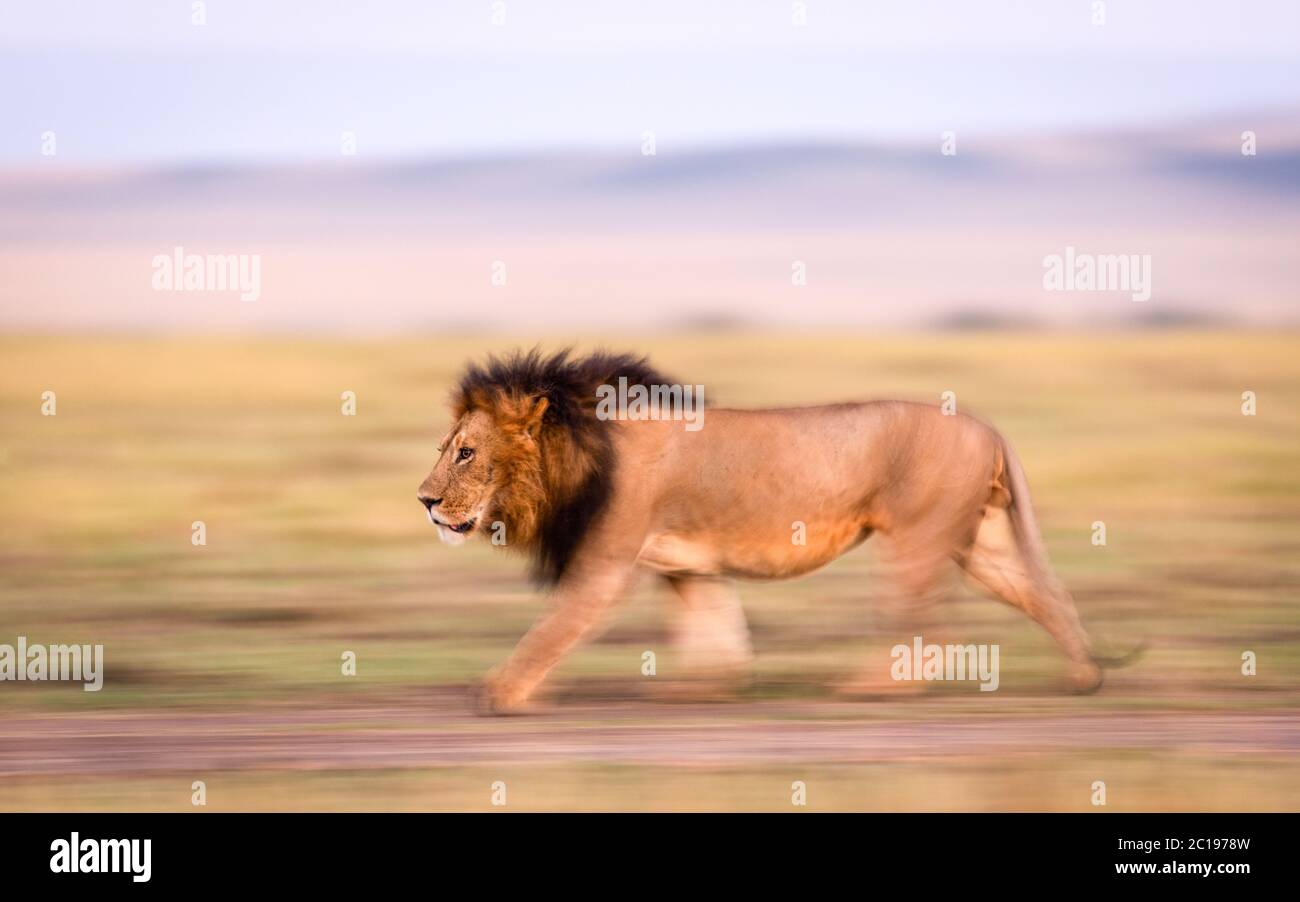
point(460, 489)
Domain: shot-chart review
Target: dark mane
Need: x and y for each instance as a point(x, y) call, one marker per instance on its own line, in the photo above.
point(577, 451)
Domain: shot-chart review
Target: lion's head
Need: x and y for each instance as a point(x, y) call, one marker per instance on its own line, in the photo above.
point(465, 481)
point(526, 460)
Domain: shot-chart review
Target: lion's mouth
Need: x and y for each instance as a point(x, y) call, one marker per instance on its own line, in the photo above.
point(460, 528)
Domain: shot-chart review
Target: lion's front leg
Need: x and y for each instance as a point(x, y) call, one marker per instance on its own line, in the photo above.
point(579, 605)
point(713, 653)
point(709, 627)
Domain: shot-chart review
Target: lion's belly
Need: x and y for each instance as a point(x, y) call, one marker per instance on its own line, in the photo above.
point(749, 555)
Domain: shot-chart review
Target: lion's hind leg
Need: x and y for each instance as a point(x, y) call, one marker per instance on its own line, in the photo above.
point(921, 574)
point(997, 560)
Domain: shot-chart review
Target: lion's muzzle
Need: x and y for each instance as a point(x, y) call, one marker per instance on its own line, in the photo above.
point(449, 529)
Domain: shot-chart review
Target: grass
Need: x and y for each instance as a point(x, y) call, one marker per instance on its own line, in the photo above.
point(1034, 782)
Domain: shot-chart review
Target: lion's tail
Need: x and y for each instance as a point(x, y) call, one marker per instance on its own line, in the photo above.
point(1034, 553)
point(1023, 521)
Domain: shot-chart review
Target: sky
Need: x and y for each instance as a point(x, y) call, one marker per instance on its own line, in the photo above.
point(137, 83)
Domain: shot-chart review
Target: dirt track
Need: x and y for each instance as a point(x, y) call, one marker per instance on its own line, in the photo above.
point(443, 734)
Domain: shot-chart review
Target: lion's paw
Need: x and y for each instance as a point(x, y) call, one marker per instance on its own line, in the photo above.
point(493, 698)
point(1083, 679)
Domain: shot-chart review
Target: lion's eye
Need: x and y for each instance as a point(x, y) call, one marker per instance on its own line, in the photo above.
point(465, 454)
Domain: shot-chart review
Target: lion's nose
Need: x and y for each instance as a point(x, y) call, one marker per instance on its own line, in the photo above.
point(429, 503)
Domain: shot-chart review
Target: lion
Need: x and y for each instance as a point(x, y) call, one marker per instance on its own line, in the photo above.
point(593, 501)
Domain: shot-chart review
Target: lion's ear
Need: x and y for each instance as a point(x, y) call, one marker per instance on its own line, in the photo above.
point(533, 419)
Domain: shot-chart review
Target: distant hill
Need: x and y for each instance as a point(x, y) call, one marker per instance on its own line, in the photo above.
point(888, 235)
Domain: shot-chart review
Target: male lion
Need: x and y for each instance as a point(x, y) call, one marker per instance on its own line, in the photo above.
point(593, 500)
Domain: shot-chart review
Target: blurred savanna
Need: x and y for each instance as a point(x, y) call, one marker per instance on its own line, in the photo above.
point(228, 654)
